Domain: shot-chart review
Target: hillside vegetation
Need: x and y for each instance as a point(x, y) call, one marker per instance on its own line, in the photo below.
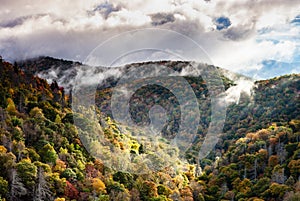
point(43, 158)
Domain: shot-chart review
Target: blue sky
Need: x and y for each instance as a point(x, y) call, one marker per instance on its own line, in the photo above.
point(260, 39)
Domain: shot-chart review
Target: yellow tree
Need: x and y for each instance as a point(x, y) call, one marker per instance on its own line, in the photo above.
point(11, 108)
point(98, 185)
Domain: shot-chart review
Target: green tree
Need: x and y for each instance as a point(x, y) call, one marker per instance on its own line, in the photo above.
point(3, 186)
point(69, 174)
point(27, 171)
point(261, 185)
point(48, 154)
point(124, 178)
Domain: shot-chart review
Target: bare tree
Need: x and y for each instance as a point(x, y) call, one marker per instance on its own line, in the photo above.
point(17, 188)
point(281, 152)
point(278, 176)
point(255, 168)
point(42, 190)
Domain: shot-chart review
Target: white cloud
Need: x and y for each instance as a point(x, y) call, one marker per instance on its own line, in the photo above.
point(125, 18)
point(233, 94)
point(72, 28)
point(249, 54)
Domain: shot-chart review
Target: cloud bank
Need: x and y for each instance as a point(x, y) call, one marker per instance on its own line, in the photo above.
point(237, 35)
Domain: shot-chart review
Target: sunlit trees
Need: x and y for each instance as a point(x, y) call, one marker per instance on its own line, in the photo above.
point(294, 166)
point(43, 158)
point(48, 154)
point(37, 113)
point(98, 185)
point(27, 171)
point(11, 108)
point(276, 191)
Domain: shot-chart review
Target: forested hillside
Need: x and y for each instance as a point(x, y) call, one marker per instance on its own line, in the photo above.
point(42, 157)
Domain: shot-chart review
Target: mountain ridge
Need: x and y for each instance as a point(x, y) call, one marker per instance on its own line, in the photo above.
point(42, 154)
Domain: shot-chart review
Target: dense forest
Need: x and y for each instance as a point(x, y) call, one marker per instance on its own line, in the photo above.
point(42, 156)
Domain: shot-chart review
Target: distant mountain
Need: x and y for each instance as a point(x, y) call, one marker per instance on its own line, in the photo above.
point(51, 69)
point(250, 105)
point(243, 96)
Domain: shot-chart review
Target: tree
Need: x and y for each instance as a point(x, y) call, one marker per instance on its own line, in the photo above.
point(186, 194)
point(278, 174)
point(98, 185)
point(69, 174)
point(18, 148)
point(294, 166)
point(243, 186)
point(278, 190)
point(60, 199)
point(17, 188)
point(57, 184)
point(124, 178)
point(48, 154)
point(291, 196)
point(11, 108)
point(27, 172)
point(71, 191)
point(42, 189)
point(7, 161)
point(163, 190)
point(118, 192)
point(273, 161)
point(57, 119)
point(148, 189)
point(36, 113)
point(3, 186)
point(261, 185)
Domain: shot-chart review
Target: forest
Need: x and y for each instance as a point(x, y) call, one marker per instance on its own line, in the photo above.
point(42, 156)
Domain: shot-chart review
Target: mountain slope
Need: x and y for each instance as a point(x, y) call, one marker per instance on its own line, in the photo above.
point(42, 155)
point(250, 105)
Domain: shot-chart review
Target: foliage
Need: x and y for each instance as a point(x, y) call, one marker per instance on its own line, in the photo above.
point(48, 154)
point(42, 157)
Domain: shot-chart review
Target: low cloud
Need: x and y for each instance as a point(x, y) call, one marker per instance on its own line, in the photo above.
point(234, 93)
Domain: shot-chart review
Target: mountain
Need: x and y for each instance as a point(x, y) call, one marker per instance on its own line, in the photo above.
point(51, 69)
point(43, 140)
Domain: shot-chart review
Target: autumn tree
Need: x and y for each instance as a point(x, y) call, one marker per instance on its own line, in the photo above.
point(27, 172)
point(11, 108)
point(48, 154)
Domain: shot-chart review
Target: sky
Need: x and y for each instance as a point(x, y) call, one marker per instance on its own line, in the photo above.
point(259, 38)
